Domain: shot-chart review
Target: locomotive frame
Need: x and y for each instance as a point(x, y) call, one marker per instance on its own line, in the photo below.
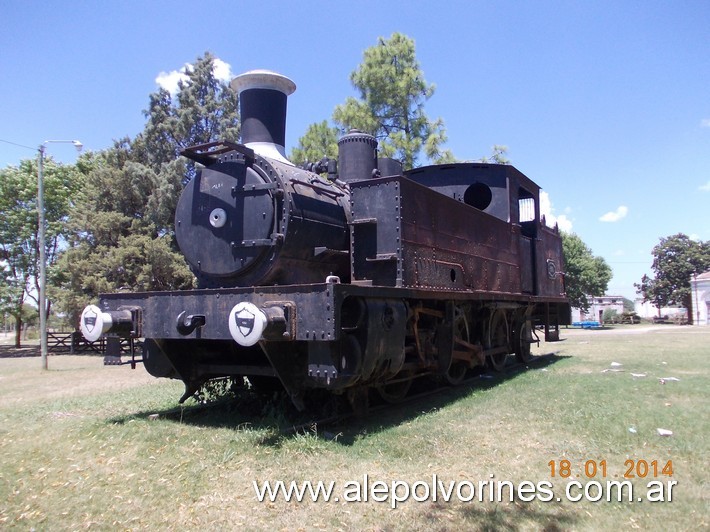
point(348, 283)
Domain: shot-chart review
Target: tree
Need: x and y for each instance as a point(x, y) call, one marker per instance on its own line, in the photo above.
point(585, 274)
point(609, 315)
point(203, 110)
point(653, 291)
point(675, 260)
point(320, 140)
point(499, 155)
point(121, 231)
point(19, 247)
point(392, 93)
point(628, 305)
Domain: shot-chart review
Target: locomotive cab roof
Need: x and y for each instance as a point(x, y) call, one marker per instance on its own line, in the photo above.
point(500, 190)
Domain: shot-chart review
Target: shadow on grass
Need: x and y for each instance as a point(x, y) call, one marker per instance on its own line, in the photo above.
point(517, 516)
point(329, 416)
point(10, 351)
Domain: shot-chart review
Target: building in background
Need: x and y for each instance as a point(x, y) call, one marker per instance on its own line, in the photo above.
point(700, 297)
point(648, 311)
point(700, 293)
point(597, 306)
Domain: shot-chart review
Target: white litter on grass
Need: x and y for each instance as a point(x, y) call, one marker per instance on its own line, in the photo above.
point(664, 380)
point(614, 367)
point(638, 374)
point(632, 430)
point(664, 432)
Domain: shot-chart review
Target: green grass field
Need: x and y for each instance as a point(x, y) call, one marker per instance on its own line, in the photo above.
point(80, 447)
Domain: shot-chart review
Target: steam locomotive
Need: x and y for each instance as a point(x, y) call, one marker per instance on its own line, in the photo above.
point(347, 275)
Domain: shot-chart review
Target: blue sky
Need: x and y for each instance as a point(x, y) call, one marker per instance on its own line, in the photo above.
point(605, 104)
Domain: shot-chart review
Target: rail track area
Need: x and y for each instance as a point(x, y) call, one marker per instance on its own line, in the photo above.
point(239, 405)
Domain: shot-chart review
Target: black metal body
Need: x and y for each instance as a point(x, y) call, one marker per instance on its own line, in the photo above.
point(415, 259)
point(345, 284)
point(247, 220)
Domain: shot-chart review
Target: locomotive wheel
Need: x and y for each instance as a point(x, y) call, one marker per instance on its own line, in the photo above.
point(457, 369)
point(456, 373)
point(522, 342)
point(396, 391)
point(497, 362)
point(498, 337)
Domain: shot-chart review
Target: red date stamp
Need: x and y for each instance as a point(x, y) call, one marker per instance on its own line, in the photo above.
point(598, 468)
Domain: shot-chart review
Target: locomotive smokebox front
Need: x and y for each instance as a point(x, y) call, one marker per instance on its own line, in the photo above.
point(250, 217)
point(225, 219)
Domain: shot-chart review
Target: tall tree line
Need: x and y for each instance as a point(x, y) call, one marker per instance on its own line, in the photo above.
point(19, 243)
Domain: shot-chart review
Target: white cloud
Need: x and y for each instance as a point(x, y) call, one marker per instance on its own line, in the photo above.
point(705, 187)
point(564, 223)
point(169, 80)
point(615, 216)
point(222, 70)
point(548, 211)
point(705, 122)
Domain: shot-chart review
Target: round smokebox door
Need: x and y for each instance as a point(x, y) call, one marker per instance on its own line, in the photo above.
point(224, 219)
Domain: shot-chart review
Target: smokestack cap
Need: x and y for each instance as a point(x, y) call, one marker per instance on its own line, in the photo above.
point(263, 79)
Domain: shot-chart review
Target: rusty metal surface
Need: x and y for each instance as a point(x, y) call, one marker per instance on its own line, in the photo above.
point(405, 234)
point(550, 263)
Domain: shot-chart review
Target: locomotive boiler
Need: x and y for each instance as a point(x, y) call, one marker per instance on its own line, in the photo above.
point(348, 275)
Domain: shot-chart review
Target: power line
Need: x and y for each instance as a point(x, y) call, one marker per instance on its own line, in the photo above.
point(16, 144)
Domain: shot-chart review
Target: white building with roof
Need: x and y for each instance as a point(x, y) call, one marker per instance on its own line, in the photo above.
point(597, 306)
point(700, 294)
point(648, 311)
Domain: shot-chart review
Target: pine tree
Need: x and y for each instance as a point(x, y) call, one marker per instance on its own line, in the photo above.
point(392, 92)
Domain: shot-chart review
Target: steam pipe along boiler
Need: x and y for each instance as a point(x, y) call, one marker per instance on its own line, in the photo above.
point(350, 275)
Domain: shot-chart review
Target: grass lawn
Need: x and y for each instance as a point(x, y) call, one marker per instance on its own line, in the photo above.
point(80, 448)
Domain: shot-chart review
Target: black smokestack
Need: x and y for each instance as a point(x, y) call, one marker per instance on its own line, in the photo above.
point(262, 103)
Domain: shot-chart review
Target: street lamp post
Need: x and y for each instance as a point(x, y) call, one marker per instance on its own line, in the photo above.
point(41, 244)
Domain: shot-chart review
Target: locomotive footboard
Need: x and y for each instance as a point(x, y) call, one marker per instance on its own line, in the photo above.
point(330, 335)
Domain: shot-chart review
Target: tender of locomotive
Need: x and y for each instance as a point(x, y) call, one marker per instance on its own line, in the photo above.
point(365, 278)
